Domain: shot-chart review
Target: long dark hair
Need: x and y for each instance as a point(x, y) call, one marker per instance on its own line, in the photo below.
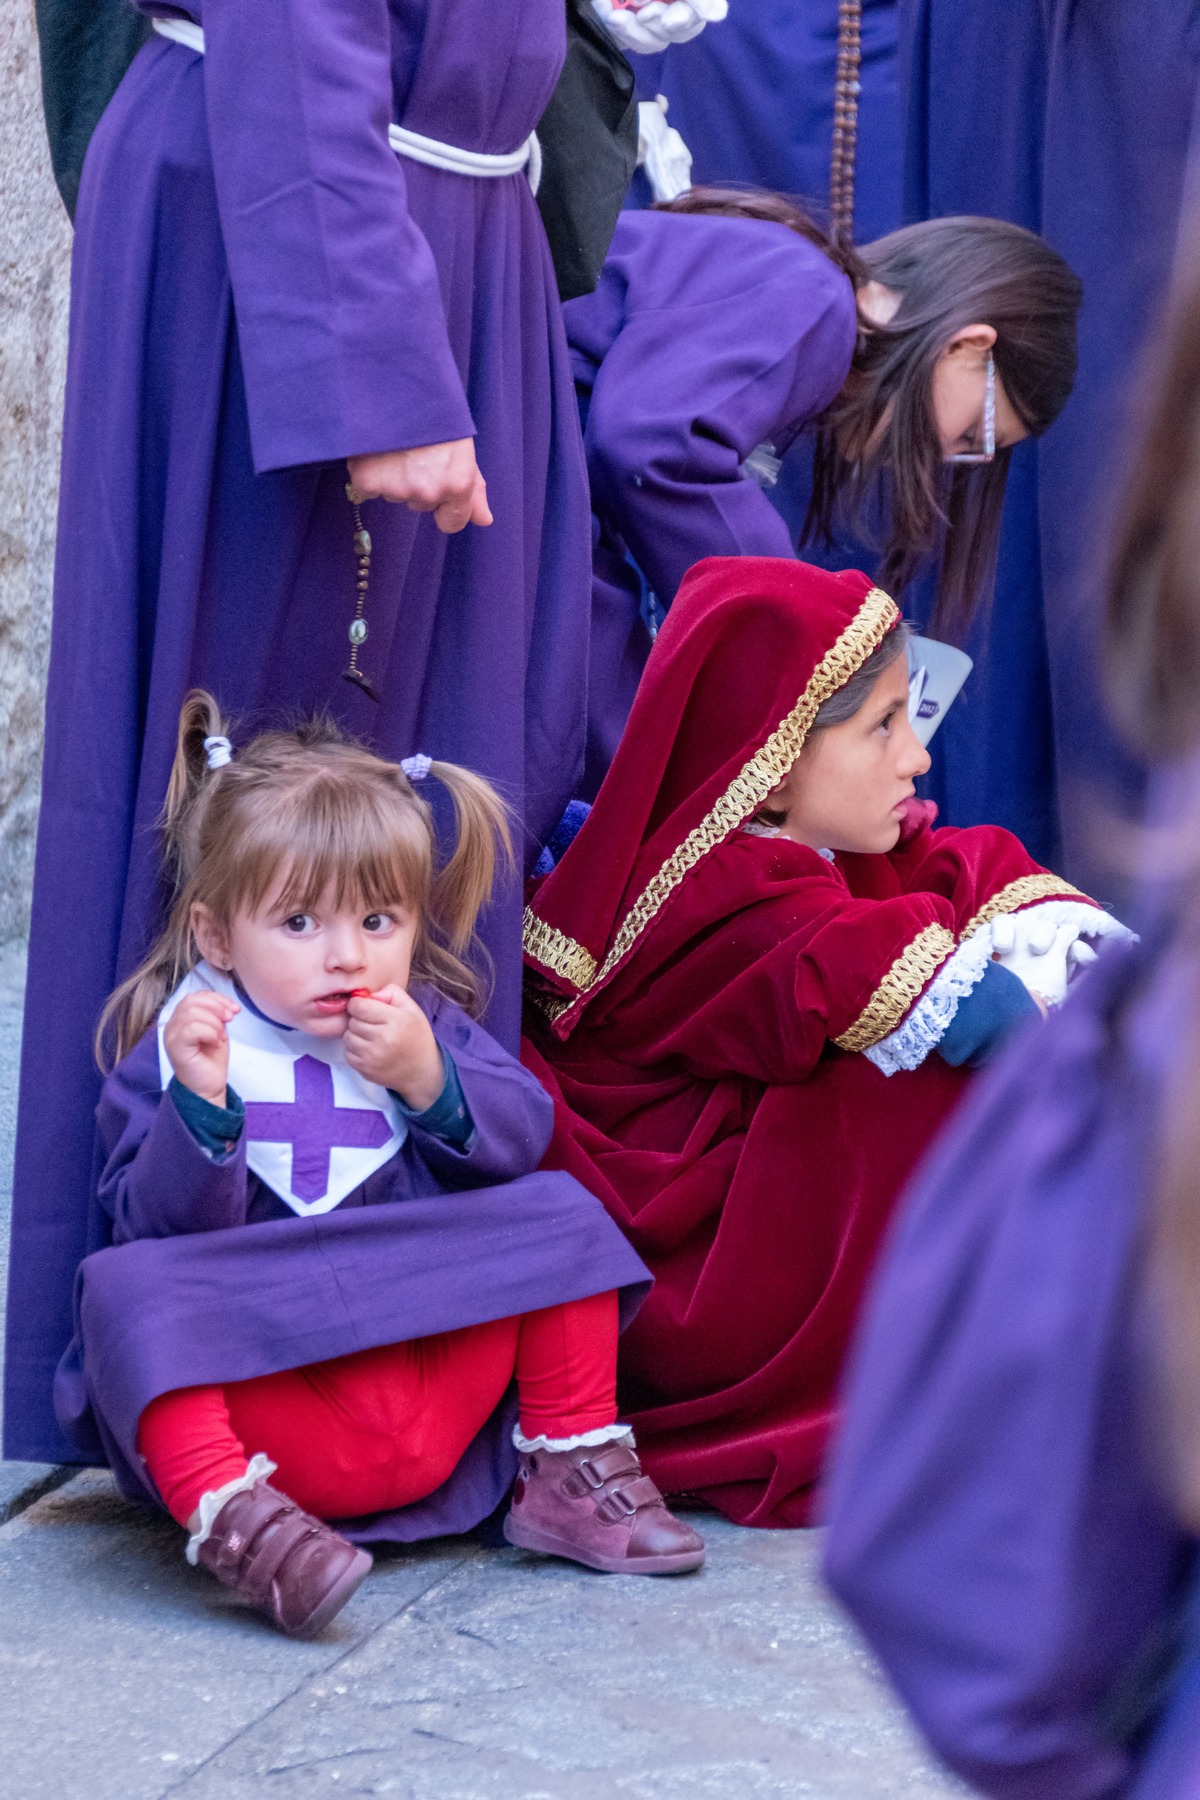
point(773, 209)
point(949, 273)
point(879, 438)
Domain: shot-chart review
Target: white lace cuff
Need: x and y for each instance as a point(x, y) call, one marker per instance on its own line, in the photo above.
point(1089, 921)
point(586, 1440)
point(927, 1023)
point(259, 1468)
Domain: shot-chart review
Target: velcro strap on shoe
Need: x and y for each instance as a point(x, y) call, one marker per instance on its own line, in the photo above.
point(271, 1549)
point(608, 1463)
point(251, 1536)
point(636, 1494)
point(614, 1507)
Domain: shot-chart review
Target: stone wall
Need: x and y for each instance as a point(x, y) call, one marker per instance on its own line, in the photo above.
point(35, 251)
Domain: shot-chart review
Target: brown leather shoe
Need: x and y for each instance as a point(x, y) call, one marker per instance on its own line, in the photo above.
point(597, 1508)
point(281, 1561)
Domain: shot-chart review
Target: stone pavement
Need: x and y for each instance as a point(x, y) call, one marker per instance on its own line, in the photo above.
point(456, 1673)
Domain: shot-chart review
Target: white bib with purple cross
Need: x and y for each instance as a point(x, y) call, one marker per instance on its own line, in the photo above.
point(314, 1128)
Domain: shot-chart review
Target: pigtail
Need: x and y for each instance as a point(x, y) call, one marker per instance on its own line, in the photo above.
point(482, 851)
point(200, 725)
point(461, 888)
point(201, 750)
point(133, 1007)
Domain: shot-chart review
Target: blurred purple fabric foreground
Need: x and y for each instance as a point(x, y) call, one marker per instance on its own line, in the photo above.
point(998, 1520)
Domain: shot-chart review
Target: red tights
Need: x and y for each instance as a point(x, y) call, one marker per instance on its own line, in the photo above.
point(381, 1428)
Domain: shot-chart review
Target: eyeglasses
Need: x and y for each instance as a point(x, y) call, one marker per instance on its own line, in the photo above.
point(988, 453)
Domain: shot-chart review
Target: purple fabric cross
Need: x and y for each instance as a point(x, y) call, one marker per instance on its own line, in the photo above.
point(313, 1125)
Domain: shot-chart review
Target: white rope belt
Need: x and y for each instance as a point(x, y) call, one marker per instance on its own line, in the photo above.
point(404, 142)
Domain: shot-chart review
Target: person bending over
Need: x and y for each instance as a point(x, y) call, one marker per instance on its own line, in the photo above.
point(726, 325)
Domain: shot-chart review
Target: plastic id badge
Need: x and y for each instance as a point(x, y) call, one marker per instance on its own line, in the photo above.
point(936, 672)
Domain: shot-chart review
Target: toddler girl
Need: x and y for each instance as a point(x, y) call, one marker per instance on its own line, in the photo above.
point(758, 977)
point(330, 1252)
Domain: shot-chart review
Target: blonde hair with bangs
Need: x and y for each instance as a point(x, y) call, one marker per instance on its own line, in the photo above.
point(298, 815)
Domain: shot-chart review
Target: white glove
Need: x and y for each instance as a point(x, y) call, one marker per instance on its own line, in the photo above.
point(662, 152)
point(1047, 946)
point(656, 24)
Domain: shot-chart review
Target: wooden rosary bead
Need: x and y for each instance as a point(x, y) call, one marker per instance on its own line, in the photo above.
point(846, 90)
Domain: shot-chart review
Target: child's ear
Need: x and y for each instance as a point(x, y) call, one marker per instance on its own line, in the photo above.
point(212, 939)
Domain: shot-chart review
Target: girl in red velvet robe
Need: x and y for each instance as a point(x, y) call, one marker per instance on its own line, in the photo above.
point(756, 980)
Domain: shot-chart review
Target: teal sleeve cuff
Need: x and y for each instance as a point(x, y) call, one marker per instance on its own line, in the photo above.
point(985, 1017)
point(215, 1128)
point(449, 1118)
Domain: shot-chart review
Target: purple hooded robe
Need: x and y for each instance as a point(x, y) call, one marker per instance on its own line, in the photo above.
point(998, 1520)
point(211, 1278)
point(706, 337)
point(261, 288)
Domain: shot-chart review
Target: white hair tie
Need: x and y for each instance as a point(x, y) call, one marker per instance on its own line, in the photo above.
point(219, 751)
point(417, 767)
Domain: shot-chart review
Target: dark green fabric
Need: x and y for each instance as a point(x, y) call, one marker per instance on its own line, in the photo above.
point(589, 136)
point(215, 1128)
point(86, 47)
point(449, 1118)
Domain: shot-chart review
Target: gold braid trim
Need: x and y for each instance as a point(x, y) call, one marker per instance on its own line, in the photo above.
point(742, 798)
point(899, 988)
point(1021, 893)
point(765, 770)
point(558, 952)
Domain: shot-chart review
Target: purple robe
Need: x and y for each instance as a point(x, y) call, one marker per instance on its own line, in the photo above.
point(1170, 1769)
point(998, 1520)
point(261, 288)
point(211, 1278)
point(705, 338)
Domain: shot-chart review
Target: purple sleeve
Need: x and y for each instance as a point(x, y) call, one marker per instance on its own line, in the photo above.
point(340, 320)
point(157, 1181)
point(996, 1524)
point(512, 1113)
point(731, 337)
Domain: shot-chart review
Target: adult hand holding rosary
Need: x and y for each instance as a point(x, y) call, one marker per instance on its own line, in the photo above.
point(443, 479)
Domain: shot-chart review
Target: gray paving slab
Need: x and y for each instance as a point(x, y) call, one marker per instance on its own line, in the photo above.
point(457, 1673)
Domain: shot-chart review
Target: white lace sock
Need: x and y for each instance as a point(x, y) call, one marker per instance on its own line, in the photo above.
point(258, 1469)
point(586, 1440)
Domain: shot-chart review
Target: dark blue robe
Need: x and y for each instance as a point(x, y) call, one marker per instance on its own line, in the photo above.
point(753, 99)
point(1000, 1522)
point(209, 1277)
point(1074, 118)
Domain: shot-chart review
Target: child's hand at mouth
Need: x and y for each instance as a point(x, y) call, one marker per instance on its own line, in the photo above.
point(389, 1040)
